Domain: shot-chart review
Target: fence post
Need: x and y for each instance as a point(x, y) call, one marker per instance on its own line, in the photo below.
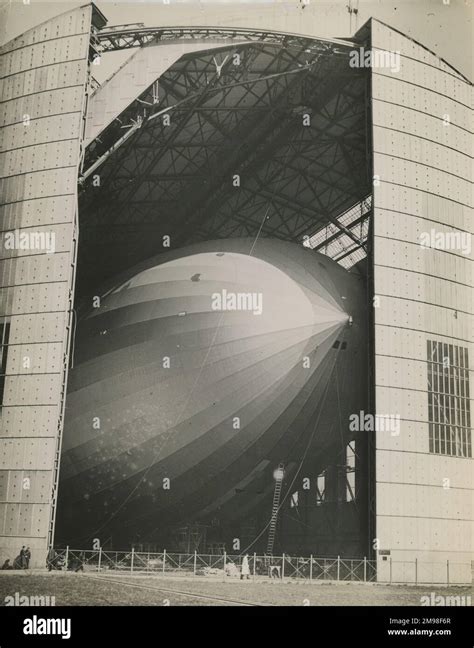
point(148, 561)
point(195, 560)
point(416, 571)
point(131, 561)
point(365, 569)
point(338, 567)
point(100, 558)
point(311, 567)
point(390, 570)
point(164, 560)
point(225, 562)
point(447, 571)
point(67, 556)
point(283, 567)
point(254, 563)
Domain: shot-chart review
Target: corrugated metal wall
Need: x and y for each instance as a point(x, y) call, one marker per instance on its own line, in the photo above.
point(422, 140)
point(44, 77)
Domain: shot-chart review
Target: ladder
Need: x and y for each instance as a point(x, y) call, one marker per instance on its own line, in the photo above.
point(278, 476)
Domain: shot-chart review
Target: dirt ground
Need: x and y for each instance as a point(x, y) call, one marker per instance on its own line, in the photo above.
point(117, 589)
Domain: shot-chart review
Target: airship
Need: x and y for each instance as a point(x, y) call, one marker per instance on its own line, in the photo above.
point(199, 372)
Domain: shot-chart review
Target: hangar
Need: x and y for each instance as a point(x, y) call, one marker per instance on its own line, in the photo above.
point(215, 134)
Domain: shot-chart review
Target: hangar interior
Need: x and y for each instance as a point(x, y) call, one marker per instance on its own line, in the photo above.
point(248, 134)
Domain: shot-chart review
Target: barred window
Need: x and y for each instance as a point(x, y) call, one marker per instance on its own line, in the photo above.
point(449, 413)
point(4, 337)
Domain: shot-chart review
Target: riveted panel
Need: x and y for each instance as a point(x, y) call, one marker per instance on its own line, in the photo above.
point(19, 421)
point(422, 139)
point(449, 503)
point(411, 202)
point(46, 241)
point(407, 535)
point(33, 486)
point(395, 41)
point(40, 131)
point(46, 104)
point(429, 77)
point(23, 521)
point(450, 264)
point(416, 316)
point(426, 126)
point(30, 213)
point(32, 389)
point(424, 178)
point(410, 147)
point(52, 77)
point(27, 454)
point(44, 156)
point(35, 268)
point(38, 327)
point(406, 284)
point(39, 298)
point(40, 54)
point(40, 358)
point(391, 88)
point(410, 228)
point(39, 184)
point(45, 81)
point(400, 343)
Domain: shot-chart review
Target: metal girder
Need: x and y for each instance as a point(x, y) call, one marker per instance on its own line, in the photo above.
point(263, 153)
point(246, 121)
point(123, 37)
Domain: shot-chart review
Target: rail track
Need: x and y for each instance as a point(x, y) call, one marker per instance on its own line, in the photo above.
point(191, 595)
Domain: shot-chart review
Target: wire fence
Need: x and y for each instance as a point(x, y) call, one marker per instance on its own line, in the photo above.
point(258, 566)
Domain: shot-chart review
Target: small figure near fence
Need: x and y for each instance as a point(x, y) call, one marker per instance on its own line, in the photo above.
point(76, 563)
point(55, 561)
point(22, 561)
point(245, 568)
point(6, 564)
point(274, 571)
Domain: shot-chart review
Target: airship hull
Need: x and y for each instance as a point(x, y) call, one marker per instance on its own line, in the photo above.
point(197, 373)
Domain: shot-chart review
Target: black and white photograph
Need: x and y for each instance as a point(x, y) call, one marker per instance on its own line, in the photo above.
point(236, 321)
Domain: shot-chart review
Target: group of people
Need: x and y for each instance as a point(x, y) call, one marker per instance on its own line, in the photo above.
point(59, 561)
point(22, 561)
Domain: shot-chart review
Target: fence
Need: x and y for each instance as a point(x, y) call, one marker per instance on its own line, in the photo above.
point(276, 567)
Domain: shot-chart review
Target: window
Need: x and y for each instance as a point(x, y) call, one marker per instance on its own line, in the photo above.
point(350, 473)
point(4, 337)
point(320, 489)
point(449, 413)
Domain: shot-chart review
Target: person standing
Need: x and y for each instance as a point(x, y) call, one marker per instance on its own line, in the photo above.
point(27, 557)
point(245, 570)
point(23, 558)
